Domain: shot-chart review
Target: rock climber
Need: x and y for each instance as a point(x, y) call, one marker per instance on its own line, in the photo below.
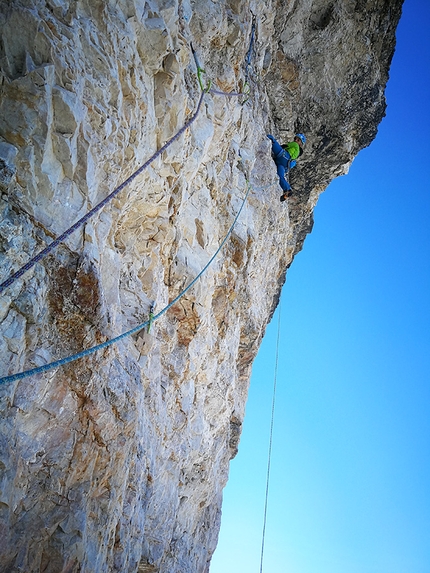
point(285, 158)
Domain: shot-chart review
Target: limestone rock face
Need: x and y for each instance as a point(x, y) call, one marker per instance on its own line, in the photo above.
point(117, 461)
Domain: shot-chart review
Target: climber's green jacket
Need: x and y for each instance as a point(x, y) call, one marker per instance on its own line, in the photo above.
point(293, 149)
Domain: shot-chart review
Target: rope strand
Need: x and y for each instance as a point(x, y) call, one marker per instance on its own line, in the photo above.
point(32, 262)
point(47, 250)
point(270, 439)
point(88, 351)
point(204, 89)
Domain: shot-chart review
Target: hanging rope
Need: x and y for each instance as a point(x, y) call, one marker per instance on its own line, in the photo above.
point(30, 264)
point(270, 439)
point(88, 351)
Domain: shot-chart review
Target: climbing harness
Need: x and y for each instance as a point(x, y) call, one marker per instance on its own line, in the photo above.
point(88, 351)
point(270, 438)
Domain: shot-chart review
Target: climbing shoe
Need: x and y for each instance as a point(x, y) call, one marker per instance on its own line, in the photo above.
point(285, 196)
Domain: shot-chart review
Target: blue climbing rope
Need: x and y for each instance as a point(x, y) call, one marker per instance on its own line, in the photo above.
point(92, 350)
point(47, 250)
point(152, 317)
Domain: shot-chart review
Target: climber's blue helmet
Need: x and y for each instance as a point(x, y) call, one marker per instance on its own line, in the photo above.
point(301, 137)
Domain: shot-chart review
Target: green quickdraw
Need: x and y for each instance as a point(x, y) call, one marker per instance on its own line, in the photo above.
point(246, 91)
point(200, 71)
point(206, 89)
point(151, 316)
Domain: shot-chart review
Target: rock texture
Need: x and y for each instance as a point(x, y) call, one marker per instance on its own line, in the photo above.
point(117, 462)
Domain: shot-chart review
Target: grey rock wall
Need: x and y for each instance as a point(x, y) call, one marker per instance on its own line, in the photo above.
point(117, 462)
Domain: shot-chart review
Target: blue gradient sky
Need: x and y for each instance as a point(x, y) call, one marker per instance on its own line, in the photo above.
point(350, 481)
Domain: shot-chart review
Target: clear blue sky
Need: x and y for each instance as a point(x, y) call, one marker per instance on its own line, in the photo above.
point(350, 481)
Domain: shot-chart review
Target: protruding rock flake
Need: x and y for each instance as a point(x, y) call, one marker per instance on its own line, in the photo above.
point(117, 461)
